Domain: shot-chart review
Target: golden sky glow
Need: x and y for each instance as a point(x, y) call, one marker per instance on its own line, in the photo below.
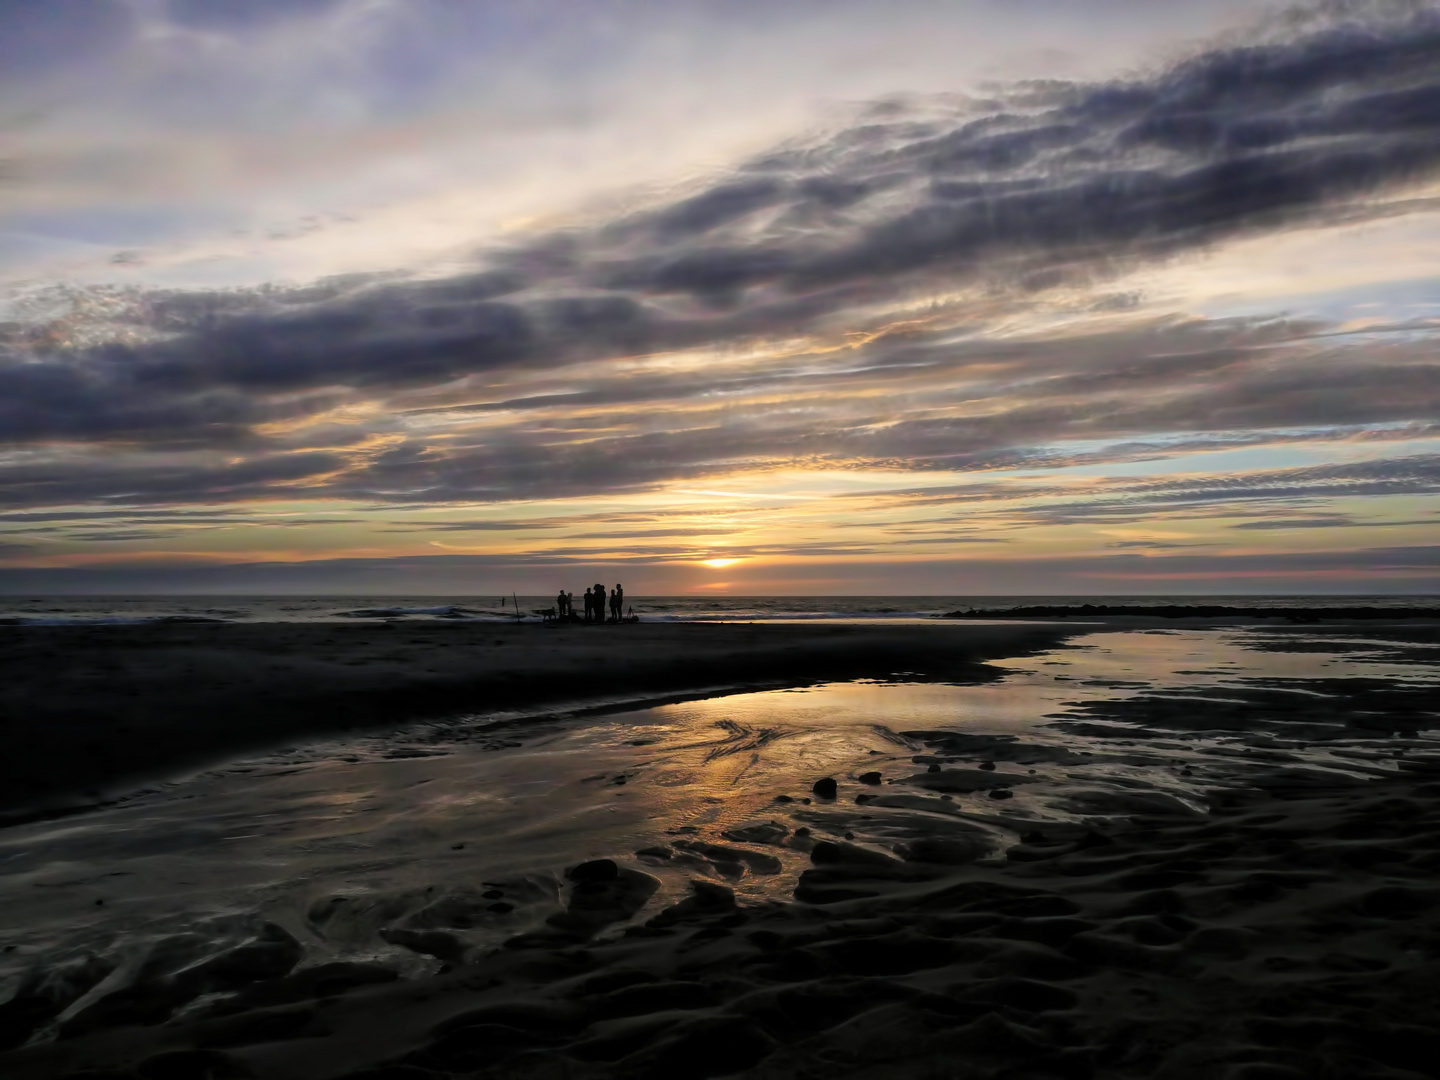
point(572, 299)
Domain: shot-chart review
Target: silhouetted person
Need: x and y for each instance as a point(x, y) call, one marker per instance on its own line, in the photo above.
point(599, 603)
point(617, 602)
point(570, 606)
point(560, 605)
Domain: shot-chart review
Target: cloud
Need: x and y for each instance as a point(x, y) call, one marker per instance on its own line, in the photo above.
point(146, 481)
point(1372, 571)
point(1328, 521)
point(842, 302)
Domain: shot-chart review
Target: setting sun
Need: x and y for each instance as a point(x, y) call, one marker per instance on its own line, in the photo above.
point(718, 564)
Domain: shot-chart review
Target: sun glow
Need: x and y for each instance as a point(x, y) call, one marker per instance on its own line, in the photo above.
point(718, 564)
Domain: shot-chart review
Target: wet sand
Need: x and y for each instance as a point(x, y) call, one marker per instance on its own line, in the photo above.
point(88, 712)
point(1236, 875)
point(1231, 946)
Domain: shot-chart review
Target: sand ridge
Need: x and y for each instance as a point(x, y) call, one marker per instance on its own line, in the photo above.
point(88, 711)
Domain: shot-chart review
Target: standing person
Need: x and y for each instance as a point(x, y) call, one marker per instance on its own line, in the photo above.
point(560, 606)
point(569, 607)
point(599, 603)
point(589, 605)
point(617, 602)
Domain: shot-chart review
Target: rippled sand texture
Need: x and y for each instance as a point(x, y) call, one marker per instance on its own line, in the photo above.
point(660, 892)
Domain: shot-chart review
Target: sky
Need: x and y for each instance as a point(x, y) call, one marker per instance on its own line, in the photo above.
point(838, 297)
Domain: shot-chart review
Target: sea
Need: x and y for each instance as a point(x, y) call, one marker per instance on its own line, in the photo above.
point(62, 610)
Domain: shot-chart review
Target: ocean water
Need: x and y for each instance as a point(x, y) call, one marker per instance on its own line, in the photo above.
point(59, 610)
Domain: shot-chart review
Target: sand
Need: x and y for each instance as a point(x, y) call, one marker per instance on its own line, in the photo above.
point(1287, 927)
point(89, 712)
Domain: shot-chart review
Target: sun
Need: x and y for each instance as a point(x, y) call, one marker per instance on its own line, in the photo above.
point(718, 564)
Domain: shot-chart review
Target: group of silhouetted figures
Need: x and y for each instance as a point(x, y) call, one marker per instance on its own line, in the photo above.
point(595, 605)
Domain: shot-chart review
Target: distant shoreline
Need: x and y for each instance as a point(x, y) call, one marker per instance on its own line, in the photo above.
point(1194, 611)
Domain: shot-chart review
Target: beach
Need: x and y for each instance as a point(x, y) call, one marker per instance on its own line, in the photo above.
point(1128, 846)
point(92, 710)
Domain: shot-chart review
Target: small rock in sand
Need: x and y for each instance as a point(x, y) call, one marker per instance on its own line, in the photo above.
point(707, 898)
point(1002, 793)
point(869, 778)
point(988, 766)
point(595, 870)
point(946, 850)
point(825, 788)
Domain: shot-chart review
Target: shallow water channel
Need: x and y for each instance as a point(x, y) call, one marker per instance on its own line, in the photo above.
point(347, 845)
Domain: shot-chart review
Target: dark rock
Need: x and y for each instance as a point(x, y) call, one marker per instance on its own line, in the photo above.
point(595, 870)
point(596, 902)
point(706, 900)
point(946, 851)
point(724, 856)
point(825, 788)
point(988, 766)
point(1002, 793)
point(869, 778)
point(965, 781)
